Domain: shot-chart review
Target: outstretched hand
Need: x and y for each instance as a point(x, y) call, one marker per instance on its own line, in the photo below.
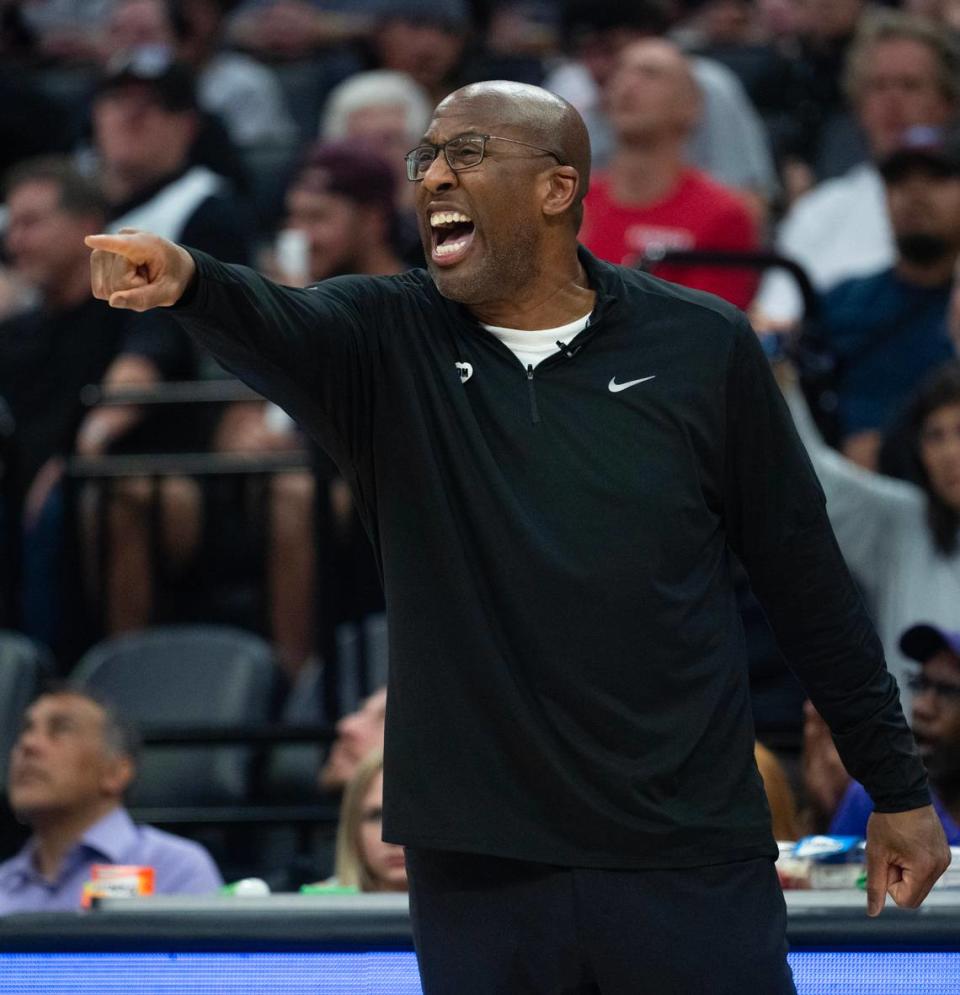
point(906, 853)
point(137, 270)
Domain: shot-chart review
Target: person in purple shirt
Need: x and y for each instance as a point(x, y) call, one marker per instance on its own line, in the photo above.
point(69, 768)
point(936, 726)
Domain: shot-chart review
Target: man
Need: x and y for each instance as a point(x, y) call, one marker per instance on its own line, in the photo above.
point(649, 198)
point(426, 39)
point(342, 200)
point(358, 735)
point(387, 111)
point(888, 329)
point(566, 664)
point(818, 137)
point(728, 142)
point(47, 356)
point(243, 93)
point(69, 769)
point(936, 725)
point(145, 122)
point(902, 71)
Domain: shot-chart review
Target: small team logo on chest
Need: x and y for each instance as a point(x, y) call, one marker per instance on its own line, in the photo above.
point(466, 371)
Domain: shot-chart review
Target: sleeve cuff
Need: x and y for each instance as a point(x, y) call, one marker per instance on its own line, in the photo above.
point(189, 298)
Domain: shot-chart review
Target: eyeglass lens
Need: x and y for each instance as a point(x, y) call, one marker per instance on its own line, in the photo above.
point(460, 153)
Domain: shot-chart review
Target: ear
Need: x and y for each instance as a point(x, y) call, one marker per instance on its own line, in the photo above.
point(117, 775)
point(563, 183)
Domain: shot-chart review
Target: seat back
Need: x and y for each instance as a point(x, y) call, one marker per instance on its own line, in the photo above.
point(24, 665)
point(197, 675)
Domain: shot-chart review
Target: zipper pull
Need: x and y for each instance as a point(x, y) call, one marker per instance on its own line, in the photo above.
point(534, 412)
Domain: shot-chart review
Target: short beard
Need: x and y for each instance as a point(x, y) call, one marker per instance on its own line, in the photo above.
point(502, 271)
point(922, 249)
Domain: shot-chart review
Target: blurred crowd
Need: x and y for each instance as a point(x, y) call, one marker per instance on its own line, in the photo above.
point(800, 158)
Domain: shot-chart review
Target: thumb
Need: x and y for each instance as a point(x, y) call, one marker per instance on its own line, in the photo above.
point(139, 298)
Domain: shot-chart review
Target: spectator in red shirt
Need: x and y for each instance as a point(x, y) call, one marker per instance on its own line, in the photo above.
point(649, 197)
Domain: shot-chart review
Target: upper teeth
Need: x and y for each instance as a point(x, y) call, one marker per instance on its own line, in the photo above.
point(447, 218)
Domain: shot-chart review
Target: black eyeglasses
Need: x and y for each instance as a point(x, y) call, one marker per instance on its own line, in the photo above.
point(920, 683)
point(462, 152)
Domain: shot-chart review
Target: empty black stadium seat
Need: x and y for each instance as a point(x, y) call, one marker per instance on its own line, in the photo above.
point(176, 676)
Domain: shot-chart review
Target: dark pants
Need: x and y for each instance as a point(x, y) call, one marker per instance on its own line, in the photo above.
point(488, 926)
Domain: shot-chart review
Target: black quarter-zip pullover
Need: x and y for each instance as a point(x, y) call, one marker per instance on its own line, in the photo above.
point(568, 678)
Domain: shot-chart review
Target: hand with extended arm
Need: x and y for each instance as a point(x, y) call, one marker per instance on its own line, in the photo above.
point(137, 270)
point(906, 853)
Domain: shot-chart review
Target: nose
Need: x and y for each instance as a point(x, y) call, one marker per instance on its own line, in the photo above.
point(439, 177)
point(28, 742)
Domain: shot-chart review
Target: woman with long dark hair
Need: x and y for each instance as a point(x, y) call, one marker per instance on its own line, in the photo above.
point(901, 540)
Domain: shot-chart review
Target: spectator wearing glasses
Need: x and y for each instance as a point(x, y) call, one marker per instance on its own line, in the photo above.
point(901, 71)
point(936, 726)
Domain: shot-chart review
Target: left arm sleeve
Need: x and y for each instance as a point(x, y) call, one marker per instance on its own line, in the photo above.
point(777, 524)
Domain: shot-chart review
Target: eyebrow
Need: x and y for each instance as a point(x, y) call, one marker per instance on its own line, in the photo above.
point(464, 131)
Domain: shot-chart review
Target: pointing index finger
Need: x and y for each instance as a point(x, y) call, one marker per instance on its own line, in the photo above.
point(122, 245)
point(877, 869)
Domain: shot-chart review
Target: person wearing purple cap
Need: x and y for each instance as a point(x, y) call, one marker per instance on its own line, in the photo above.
point(343, 201)
point(936, 726)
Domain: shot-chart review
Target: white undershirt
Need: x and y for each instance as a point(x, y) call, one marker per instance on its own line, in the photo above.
point(532, 347)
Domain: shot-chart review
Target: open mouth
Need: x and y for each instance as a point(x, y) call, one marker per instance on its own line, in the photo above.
point(451, 236)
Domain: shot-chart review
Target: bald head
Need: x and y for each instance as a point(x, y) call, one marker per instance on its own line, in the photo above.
point(533, 115)
point(653, 95)
point(500, 223)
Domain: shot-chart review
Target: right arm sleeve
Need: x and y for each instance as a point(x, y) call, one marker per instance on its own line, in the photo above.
point(778, 526)
point(865, 508)
point(309, 350)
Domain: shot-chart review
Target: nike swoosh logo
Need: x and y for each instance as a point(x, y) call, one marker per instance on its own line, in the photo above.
point(615, 387)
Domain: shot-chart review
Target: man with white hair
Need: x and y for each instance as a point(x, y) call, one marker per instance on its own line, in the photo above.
point(386, 110)
point(902, 72)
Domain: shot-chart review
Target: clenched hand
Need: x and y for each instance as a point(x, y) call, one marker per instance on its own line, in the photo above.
point(906, 853)
point(137, 270)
